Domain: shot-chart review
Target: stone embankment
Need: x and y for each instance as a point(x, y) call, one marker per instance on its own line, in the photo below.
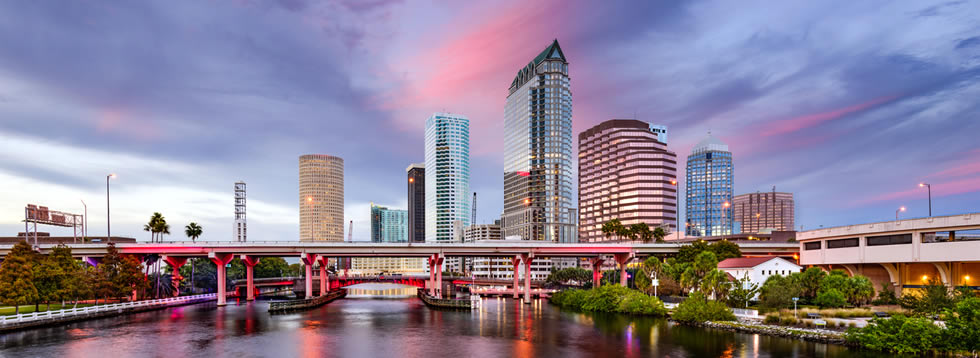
point(806, 334)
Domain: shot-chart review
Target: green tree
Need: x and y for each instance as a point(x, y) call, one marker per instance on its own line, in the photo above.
point(129, 277)
point(687, 253)
point(193, 231)
point(694, 274)
point(862, 290)
point(613, 228)
point(17, 277)
point(898, 334)
point(778, 292)
point(742, 291)
point(153, 225)
point(82, 284)
point(699, 309)
point(830, 298)
point(271, 267)
point(69, 269)
point(715, 284)
point(962, 331)
point(809, 281)
point(47, 279)
point(107, 272)
point(640, 231)
point(658, 234)
point(725, 249)
point(932, 299)
point(570, 275)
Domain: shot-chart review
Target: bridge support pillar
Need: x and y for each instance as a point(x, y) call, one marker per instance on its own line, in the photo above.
point(175, 263)
point(527, 258)
point(250, 262)
point(517, 266)
point(308, 260)
point(324, 275)
point(596, 271)
point(220, 260)
point(622, 260)
point(432, 276)
point(439, 261)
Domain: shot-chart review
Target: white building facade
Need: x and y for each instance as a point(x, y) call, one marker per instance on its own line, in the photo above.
point(447, 175)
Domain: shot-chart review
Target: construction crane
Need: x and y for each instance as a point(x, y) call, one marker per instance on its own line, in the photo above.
point(473, 218)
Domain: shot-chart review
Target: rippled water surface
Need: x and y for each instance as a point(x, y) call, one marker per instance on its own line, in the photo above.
point(394, 327)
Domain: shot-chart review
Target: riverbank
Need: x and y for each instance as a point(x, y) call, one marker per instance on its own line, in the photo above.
point(806, 334)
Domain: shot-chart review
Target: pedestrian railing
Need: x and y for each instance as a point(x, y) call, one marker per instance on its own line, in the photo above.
point(82, 311)
point(742, 312)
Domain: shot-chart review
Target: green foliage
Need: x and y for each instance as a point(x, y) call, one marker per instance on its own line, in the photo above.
point(862, 290)
point(898, 334)
point(886, 296)
point(17, 276)
point(723, 249)
point(830, 298)
point(658, 234)
point(636, 303)
point(570, 275)
point(193, 231)
point(610, 298)
point(694, 273)
point(157, 226)
point(778, 292)
point(613, 227)
point(962, 331)
point(47, 279)
point(271, 267)
point(930, 300)
point(809, 281)
point(697, 309)
point(742, 291)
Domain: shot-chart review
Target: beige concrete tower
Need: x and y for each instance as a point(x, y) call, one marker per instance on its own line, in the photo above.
point(321, 198)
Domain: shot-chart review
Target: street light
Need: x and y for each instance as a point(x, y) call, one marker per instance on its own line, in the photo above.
point(724, 214)
point(901, 209)
point(85, 227)
point(677, 204)
point(928, 186)
point(309, 199)
point(108, 226)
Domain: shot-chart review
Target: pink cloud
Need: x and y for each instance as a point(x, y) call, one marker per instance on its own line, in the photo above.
point(811, 120)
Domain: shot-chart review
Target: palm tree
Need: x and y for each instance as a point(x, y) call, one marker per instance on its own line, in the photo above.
point(162, 228)
point(658, 234)
point(153, 225)
point(193, 231)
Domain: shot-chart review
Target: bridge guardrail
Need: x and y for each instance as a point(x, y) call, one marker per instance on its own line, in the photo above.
point(81, 311)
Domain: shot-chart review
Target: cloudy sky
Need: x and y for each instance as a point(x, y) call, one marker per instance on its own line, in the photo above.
point(847, 104)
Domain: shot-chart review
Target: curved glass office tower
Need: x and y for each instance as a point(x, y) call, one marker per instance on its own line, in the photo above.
point(447, 175)
point(709, 189)
point(538, 172)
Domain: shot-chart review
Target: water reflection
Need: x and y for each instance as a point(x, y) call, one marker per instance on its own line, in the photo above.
point(381, 290)
point(396, 328)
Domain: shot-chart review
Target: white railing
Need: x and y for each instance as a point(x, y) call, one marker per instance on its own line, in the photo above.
point(80, 311)
point(742, 312)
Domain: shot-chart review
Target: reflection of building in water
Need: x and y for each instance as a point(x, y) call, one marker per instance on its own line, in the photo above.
point(381, 290)
point(379, 265)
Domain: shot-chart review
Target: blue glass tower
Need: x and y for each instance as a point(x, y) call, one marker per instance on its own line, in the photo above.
point(710, 178)
point(447, 175)
point(388, 225)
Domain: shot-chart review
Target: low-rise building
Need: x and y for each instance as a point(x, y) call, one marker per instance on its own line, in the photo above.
point(758, 269)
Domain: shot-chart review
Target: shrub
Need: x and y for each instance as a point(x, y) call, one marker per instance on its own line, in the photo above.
point(772, 318)
point(898, 334)
point(830, 298)
point(636, 303)
point(963, 326)
point(778, 292)
point(788, 321)
point(604, 299)
point(571, 299)
point(697, 309)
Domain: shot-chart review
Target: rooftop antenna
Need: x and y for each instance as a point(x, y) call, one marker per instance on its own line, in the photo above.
point(473, 217)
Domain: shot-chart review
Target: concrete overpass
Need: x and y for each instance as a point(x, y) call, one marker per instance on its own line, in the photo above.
point(521, 252)
point(906, 253)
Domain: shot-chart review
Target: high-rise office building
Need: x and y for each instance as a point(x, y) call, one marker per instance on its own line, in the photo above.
point(625, 173)
point(447, 175)
point(388, 225)
point(764, 211)
point(416, 202)
point(538, 168)
point(241, 227)
point(321, 198)
point(710, 179)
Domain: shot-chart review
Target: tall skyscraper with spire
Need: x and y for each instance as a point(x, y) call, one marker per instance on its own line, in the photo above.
point(538, 171)
point(710, 179)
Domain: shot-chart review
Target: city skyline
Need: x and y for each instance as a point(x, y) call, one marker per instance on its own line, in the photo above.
point(825, 120)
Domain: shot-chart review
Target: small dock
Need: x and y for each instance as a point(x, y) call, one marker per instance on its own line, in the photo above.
point(447, 303)
point(305, 304)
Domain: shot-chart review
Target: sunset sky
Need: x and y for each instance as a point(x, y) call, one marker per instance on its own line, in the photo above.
point(846, 104)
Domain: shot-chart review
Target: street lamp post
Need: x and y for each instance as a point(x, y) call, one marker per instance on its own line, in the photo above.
point(309, 199)
point(677, 206)
point(85, 221)
point(901, 209)
point(725, 216)
point(929, 187)
point(108, 226)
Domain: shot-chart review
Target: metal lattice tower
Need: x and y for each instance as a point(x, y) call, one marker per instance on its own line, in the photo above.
point(240, 224)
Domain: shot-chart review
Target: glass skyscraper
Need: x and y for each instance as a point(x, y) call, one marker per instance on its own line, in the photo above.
point(710, 177)
point(538, 171)
point(447, 175)
point(388, 225)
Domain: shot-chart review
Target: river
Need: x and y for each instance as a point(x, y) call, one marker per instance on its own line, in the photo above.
point(394, 327)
